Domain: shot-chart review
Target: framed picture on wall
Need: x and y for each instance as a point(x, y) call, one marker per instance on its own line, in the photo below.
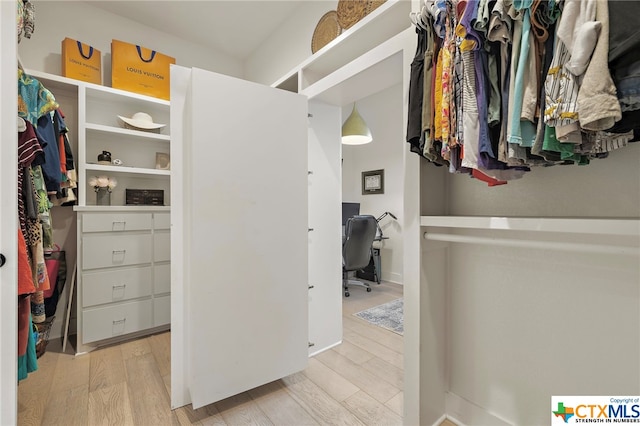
point(373, 182)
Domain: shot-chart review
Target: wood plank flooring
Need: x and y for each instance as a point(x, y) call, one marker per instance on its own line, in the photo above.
point(356, 383)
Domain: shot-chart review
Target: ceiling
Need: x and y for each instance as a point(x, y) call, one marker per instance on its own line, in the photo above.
point(235, 28)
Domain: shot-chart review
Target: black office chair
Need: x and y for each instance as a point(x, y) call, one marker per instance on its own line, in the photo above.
point(356, 248)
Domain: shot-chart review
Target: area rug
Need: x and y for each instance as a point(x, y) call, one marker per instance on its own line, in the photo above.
point(389, 315)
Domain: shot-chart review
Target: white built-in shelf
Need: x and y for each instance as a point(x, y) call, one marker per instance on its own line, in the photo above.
point(608, 226)
point(373, 72)
point(126, 170)
point(603, 236)
point(389, 19)
point(56, 81)
point(109, 94)
point(126, 132)
point(113, 209)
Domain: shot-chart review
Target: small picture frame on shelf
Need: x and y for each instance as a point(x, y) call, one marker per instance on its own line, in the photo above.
point(373, 182)
point(163, 161)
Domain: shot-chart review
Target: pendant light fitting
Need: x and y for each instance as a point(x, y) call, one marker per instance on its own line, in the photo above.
point(355, 130)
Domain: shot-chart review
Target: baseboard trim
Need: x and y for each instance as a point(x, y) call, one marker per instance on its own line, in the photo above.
point(463, 412)
point(440, 420)
point(451, 419)
point(312, 354)
point(393, 277)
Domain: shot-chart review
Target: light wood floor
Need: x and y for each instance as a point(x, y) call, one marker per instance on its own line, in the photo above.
point(359, 382)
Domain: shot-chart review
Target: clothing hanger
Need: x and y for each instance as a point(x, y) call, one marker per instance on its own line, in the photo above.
point(425, 14)
point(423, 18)
point(22, 125)
point(415, 19)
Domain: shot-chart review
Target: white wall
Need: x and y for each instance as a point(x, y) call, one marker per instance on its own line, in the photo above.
point(383, 114)
point(289, 45)
point(526, 324)
point(56, 20)
point(607, 187)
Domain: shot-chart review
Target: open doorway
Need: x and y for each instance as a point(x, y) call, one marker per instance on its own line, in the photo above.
point(373, 321)
point(384, 156)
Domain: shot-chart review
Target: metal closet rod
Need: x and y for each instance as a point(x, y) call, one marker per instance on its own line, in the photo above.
point(544, 245)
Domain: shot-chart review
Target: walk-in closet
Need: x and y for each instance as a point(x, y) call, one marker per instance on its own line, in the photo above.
point(516, 179)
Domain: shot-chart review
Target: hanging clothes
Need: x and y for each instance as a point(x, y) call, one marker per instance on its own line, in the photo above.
point(524, 83)
point(69, 178)
point(416, 91)
point(28, 363)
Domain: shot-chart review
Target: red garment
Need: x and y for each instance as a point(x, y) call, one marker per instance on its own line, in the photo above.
point(61, 150)
point(25, 277)
point(488, 179)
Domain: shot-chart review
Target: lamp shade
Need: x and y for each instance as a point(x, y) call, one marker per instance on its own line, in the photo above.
point(355, 130)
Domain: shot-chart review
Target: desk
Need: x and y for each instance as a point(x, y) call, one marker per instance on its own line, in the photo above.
point(373, 271)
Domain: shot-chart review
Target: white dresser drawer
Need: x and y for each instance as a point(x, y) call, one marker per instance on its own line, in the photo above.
point(115, 286)
point(162, 221)
point(161, 310)
point(162, 246)
point(106, 250)
point(117, 320)
point(162, 283)
point(107, 222)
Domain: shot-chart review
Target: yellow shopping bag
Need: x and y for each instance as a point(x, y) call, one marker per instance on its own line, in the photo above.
point(140, 70)
point(81, 61)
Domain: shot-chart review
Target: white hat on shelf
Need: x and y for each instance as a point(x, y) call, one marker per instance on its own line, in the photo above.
point(141, 120)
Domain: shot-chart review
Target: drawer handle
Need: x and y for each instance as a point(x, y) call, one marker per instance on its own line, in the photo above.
point(122, 321)
point(121, 224)
point(122, 286)
point(119, 251)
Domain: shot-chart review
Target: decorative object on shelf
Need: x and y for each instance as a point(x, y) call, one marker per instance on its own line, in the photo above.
point(103, 185)
point(149, 197)
point(162, 161)
point(117, 162)
point(354, 130)
point(373, 5)
point(103, 197)
point(373, 182)
point(104, 158)
point(141, 70)
point(141, 121)
point(350, 12)
point(326, 30)
point(81, 61)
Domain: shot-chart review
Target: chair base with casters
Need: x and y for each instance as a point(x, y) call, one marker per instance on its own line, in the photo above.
point(360, 232)
point(347, 282)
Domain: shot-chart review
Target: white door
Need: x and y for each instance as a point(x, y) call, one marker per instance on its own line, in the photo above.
point(325, 215)
point(8, 214)
point(239, 235)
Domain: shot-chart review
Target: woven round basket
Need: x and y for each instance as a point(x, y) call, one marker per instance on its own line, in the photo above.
point(373, 5)
point(326, 30)
point(350, 12)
